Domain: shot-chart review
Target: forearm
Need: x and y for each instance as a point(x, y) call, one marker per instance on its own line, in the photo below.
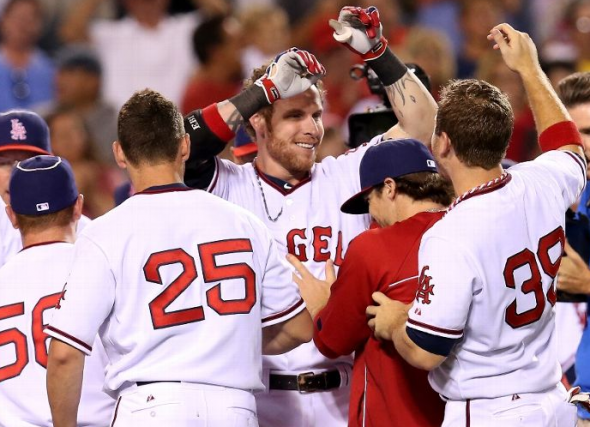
point(412, 353)
point(75, 26)
point(64, 383)
point(284, 337)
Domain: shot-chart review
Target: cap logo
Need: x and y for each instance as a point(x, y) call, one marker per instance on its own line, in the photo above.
point(18, 132)
point(42, 207)
point(430, 163)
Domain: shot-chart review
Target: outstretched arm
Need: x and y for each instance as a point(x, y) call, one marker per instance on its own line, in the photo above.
point(360, 30)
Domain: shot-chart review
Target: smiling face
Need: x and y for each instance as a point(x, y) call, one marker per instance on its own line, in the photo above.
point(287, 147)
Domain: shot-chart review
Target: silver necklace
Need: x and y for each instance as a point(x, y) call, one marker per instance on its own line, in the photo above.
point(264, 199)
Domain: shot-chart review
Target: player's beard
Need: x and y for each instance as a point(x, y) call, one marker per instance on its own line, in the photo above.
point(289, 156)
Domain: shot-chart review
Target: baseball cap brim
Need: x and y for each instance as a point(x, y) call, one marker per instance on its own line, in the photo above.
point(21, 147)
point(357, 204)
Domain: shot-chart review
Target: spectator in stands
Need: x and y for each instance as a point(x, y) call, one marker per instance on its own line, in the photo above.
point(147, 48)
point(26, 73)
point(577, 17)
point(216, 44)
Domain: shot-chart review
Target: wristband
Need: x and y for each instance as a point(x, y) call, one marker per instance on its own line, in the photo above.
point(558, 135)
point(388, 67)
point(250, 101)
point(215, 123)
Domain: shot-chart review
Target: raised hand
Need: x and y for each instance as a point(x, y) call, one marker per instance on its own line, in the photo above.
point(360, 30)
point(292, 72)
point(315, 292)
point(517, 48)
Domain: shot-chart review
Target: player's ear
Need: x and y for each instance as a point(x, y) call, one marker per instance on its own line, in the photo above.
point(444, 145)
point(119, 155)
point(12, 216)
point(185, 147)
point(390, 188)
point(259, 125)
point(78, 206)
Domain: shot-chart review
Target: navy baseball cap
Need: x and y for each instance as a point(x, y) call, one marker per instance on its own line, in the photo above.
point(24, 130)
point(389, 159)
point(42, 185)
point(243, 143)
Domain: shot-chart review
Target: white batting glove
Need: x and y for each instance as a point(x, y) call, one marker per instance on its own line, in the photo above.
point(576, 397)
point(291, 73)
point(360, 30)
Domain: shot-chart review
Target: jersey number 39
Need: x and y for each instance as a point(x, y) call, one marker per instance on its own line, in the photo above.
point(211, 272)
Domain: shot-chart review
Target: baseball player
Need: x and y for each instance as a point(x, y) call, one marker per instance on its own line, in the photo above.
point(406, 196)
point(178, 303)
point(297, 199)
point(23, 134)
point(45, 207)
point(483, 318)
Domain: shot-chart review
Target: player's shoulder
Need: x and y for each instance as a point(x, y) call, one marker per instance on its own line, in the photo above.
point(37, 258)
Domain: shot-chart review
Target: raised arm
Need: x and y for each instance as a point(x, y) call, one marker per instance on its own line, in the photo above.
point(520, 55)
point(291, 73)
point(360, 30)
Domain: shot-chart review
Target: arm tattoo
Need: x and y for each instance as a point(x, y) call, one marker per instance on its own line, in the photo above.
point(398, 96)
point(234, 121)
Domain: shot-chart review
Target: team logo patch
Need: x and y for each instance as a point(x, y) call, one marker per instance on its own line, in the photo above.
point(42, 207)
point(430, 163)
point(18, 131)
point(426, 289)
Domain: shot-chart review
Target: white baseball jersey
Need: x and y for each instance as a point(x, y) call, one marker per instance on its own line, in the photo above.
point(310, 224)
point(179, 283)
point(10, 240)
point(487, 271)
point(30, 286)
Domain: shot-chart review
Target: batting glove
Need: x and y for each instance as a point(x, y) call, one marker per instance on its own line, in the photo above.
point(291, 73)
point(361, 31)
point(576, 397)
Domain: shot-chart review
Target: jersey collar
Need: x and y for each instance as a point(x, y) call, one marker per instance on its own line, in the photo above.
point(49, 242)
point(278, 184)
point(488, 187)
point(167, 188)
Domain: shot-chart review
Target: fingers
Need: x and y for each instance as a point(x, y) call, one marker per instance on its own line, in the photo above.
point(297, 279)
point(380, 298)
point(371, 324)
point(499, 37)
point(372, 311)
point(299, 267)
point(311, 63)
point(330, 272)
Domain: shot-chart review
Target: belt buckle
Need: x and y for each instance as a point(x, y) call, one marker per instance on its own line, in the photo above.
point(304, 386)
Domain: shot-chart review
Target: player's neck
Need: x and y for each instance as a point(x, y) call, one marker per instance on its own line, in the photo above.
point(52, 234)
point(269, 166)
point(465, 178)
point(144, 177)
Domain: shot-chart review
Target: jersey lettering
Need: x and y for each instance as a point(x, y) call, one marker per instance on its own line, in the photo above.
point(211, 273)
point(300, 249)
point(425, 289)
point(15, 337)
point(296, 244)
point(534, 284)
point(321, 236)
point(39, 337)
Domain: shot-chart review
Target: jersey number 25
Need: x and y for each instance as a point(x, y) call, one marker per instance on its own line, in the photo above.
point(211, 272)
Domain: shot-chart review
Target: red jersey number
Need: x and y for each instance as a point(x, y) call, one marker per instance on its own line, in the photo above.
point(534, 284)
point(211, 273)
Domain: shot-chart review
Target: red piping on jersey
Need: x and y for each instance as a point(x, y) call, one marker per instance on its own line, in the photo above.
point(70, 337)
point(488, 187)
point(164, 190)
point(468, 413)
point(436, 329)
point(215, 176)
point(116, 411)
point(50, 242)
point(284, 313)
point(579, 162)
point(278, 188)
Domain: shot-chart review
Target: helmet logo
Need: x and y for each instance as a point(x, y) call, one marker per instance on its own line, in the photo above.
point(18, 132)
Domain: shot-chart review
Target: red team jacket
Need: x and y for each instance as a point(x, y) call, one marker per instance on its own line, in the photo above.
point(385, 390)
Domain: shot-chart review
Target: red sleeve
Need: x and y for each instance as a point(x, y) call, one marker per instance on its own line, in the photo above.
point(341, 327)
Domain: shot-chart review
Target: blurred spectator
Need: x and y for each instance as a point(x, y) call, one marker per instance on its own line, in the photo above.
point(476, 18)
point(216, 43)
point(523, 144)
point(441, 15)
point(147, 48)
point(244, 149)
point(26, 73)
point(263, 42)
point(78, 87)
point(96, 181)
point(558, 70)
point(578, 22)
point(432, 51)
point(333, 144)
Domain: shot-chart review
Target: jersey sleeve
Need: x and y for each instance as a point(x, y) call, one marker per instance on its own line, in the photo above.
point(446, 286)
point(281, 299)
point(341, 326)
point(87, 298)
point(561, 172)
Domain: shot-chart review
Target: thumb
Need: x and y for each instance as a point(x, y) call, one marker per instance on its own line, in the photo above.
point(342, 33)
point(330, 272)
point(379, 298)
point(499, 37)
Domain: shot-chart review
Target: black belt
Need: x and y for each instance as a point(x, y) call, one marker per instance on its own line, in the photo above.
point(307, 382)
point(140, 383)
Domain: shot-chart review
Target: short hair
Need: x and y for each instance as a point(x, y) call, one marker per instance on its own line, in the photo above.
point(149, 128)
point(207, 37)
point(478, 119)
point(574, 89)
point(423, 186)
point(35, 223)
point(266, 111)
